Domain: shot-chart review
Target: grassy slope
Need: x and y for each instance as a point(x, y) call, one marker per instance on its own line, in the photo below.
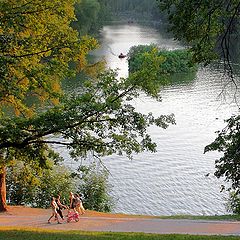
point(202, 217)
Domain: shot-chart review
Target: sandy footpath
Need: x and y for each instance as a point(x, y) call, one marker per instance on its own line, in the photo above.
point(94, 221)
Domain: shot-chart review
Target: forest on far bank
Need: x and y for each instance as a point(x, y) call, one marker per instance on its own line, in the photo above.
point(92, 14)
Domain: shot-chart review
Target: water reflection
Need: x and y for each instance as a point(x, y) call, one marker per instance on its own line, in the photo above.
point(182, 78)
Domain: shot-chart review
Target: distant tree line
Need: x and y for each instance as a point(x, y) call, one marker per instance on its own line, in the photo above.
point(131, 5)
point(144, 9)
point(91, 14)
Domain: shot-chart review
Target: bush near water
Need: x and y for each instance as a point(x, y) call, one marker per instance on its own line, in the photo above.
point(28, 184)
point(174, 61)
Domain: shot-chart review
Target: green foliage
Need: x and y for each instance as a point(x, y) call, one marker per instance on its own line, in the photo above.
point(227, 166)
point(37, 44)
point(105, 13)
point(87, 15)
point(22, 182)
point(233, 204)
point(90, 16)
point(95, 188)
point(208, 26)
point(139, 9)
point(228, 142)
point(148, 73)
point(175, 61)
point(33, 234)
point(29, 184)
point(100, 119)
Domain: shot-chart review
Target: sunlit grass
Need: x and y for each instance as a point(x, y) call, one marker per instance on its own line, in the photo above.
point(36, 234)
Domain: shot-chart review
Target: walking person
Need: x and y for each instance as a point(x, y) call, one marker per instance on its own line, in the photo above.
point(54, 210)
point(79, 205)
point(60, 206)
point(72, 215)
point(72, 200)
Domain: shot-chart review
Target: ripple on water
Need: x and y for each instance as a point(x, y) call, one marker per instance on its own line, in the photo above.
point(172, 180)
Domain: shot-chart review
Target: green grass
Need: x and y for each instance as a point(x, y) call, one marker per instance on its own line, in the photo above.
point(203, 217)
point(199, 217)
point(33, 234)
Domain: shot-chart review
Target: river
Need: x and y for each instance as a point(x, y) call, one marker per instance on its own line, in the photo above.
point(173, 180)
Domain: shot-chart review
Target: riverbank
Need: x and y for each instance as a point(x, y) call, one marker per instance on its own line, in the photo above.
point(28, 211)
point(32, 219)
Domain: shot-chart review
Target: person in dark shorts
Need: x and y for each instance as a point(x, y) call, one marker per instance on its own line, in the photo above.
point(54, 210)
point(60, 206)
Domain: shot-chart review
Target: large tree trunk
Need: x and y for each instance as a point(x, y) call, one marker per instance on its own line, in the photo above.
point(3, 202)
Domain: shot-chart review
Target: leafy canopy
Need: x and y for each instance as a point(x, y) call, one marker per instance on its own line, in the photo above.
point(100, 118)
point(206, 26)
point(37, 44)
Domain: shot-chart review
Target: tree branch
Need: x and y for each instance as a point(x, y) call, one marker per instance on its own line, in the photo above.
point(36, 53)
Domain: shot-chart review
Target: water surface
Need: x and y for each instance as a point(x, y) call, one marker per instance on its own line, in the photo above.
point(172, 180)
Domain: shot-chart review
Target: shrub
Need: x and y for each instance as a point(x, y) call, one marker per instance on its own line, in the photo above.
point(175, 61)
point(95, 188)
point(28, 184)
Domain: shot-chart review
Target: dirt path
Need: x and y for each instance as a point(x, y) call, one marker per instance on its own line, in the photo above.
point(94, 221)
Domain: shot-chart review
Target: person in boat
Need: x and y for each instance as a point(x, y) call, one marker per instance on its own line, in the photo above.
point(122, 55)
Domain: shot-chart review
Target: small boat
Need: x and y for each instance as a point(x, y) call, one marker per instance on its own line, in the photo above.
point(122, 55)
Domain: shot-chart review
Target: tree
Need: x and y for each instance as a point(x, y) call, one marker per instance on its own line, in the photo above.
point(38, 46)
point(87, 12)
point(209, 27)
point(95, 188)
point(228, 143)
point(134, 8)
point(29, 184)
point(100, 119)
